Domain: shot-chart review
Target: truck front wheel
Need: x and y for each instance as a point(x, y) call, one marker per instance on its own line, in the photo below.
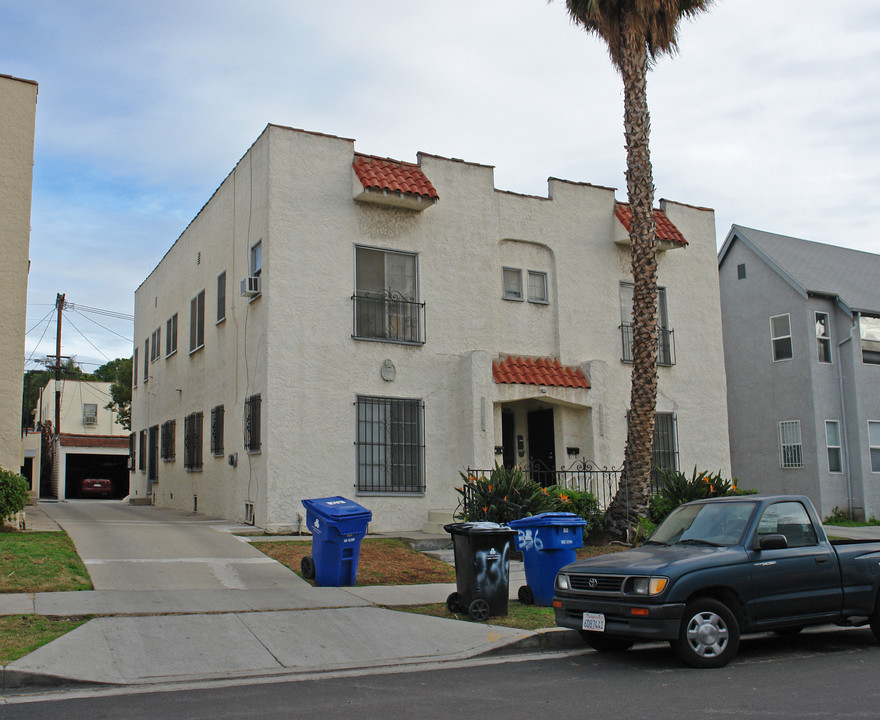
point(709, 634)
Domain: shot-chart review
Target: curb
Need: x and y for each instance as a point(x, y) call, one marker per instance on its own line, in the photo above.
point(546, 640)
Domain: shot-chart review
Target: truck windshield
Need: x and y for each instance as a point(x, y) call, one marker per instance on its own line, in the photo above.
point(719, 524)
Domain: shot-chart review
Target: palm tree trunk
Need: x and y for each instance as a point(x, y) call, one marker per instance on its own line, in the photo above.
point(631, 500)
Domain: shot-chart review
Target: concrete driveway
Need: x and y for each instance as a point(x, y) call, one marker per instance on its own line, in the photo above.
point(127, 547)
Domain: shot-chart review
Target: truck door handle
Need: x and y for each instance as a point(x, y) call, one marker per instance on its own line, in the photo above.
point(821, 561)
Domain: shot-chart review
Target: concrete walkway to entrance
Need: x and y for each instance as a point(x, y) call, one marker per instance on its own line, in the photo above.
point(181, 597)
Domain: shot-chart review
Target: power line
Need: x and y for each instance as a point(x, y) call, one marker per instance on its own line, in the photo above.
point(86, 339)
point(77, 311)
point(99, 311)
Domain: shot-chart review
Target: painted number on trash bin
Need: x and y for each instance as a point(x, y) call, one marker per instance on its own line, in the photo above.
point(594, 622)
point(526, 541)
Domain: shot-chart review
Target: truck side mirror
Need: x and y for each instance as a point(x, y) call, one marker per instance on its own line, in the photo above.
point(772, 542)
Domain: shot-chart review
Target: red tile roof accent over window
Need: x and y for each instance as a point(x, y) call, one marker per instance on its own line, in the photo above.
point(543, 371)
point(384, 174)
point(666, 231)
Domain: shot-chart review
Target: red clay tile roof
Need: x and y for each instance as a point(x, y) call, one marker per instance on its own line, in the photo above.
point(549, 372)
point(384, 174)
point(666, 231)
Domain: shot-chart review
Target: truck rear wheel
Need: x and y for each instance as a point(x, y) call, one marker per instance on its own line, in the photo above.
point(709, 634)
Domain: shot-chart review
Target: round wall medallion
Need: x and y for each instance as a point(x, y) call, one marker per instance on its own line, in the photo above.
point(389, 372)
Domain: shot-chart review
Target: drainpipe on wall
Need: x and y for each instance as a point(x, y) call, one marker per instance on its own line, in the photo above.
point(849, 491)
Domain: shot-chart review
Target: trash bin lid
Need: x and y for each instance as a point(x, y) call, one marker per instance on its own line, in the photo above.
point(546, 519)
point(476, 527)
point(336, 509)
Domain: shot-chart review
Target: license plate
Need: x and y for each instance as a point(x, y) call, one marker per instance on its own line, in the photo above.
point(594, 622)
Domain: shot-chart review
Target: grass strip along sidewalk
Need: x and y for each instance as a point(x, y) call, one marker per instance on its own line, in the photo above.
point(31, 563)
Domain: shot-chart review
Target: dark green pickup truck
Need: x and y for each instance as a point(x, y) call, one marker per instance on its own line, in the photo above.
point(716, 569)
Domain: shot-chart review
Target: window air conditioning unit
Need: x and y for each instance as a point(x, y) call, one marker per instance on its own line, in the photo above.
point(90, 419)
point(250, 286)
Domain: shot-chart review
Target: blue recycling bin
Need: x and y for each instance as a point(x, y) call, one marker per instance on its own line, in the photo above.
point(547, 541)
point(337, 526)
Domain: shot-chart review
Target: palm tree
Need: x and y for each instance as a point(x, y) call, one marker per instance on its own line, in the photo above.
point(637, 32)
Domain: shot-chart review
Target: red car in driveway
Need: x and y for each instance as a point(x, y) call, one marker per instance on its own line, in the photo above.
point(96, 487)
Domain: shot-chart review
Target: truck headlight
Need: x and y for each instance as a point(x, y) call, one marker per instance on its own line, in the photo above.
point(562, 582)
point(647, 585)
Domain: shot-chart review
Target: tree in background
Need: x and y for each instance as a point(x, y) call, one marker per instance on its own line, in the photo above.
point(637, 32)
point(118, 372)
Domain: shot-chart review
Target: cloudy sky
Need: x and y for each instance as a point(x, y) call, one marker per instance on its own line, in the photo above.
point(769, 115)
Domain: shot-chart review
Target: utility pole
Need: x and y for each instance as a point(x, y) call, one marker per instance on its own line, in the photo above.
point(59, 305)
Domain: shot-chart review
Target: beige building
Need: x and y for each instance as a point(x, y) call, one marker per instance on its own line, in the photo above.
point(18, 106)
point(334, 323)
point(92, 443)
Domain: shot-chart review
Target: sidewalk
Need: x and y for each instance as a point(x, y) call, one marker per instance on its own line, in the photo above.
point(145, 637)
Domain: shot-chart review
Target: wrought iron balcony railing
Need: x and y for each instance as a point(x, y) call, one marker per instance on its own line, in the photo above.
point(665, 344)
point(388, 316)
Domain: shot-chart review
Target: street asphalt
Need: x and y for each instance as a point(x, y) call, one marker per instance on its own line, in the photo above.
point(182, 597)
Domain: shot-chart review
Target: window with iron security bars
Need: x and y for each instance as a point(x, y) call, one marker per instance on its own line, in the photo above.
point(390, 445)
point(217, 430)
point(791, 454)
point(252, 407)
point(192, 441)
point(167, 440)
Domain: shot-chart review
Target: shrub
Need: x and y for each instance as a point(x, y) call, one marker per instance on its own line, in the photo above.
point(582, 503)
point(505, 494)
point(13, 494)
point(677, 489)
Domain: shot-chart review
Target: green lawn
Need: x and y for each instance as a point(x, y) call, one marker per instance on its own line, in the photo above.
point(40, 562)
point(22, 634)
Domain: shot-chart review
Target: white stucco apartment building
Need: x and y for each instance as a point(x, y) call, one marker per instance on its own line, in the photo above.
point(18, 106)
point(334, 323)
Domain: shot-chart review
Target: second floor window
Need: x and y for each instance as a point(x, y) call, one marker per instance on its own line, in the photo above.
point(823, 337)
point(90, 413)
point(197, 322)
point(221, 296)
point(171, 335)
point(665, 336)
point(386, 297)
point(780, 337)
point(869, 332)
point(156, 344)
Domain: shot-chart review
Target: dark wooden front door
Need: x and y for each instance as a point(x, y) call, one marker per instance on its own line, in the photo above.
point(542, 445)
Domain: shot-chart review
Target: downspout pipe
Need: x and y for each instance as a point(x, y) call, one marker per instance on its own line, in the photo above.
point(844, 438)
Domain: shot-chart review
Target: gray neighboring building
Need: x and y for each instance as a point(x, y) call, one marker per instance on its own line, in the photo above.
point(801, 326)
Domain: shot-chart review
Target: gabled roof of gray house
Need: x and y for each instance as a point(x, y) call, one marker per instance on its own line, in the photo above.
point(850, 276)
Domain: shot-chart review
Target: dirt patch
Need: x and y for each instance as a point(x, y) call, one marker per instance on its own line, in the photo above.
point(382, 562)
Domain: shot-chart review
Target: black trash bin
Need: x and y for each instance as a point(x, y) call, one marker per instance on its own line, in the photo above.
point(482, 568)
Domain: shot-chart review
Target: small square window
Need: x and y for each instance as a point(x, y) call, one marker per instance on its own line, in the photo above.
point(512, 279)
point(537, 287)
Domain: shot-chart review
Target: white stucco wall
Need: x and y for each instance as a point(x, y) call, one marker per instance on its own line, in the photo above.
point(18, 103)
point(295, 346)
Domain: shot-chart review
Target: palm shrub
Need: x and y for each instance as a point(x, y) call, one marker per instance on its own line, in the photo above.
point(13, 494)
point(677, 489)
point(502, 495)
